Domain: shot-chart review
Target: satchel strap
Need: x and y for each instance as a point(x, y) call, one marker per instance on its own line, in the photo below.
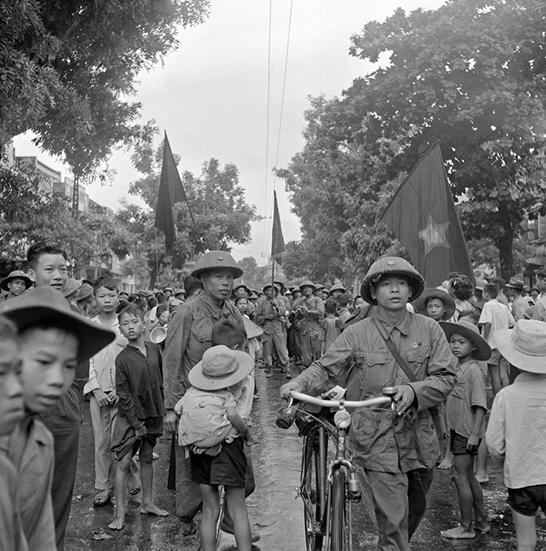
point(392, 348)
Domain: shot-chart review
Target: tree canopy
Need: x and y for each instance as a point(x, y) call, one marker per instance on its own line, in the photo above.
point(470, 75)
point(68, 68)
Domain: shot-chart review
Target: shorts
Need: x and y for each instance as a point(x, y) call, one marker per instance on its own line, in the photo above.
point(124, 438)
point(458, 445)
point(228, 468)
point(526, 501)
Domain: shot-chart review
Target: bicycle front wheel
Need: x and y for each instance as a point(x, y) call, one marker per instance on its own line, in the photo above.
point(313, 488)
point(340, 516)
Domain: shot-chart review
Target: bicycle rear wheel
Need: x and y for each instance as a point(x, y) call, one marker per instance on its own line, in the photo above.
point(340, 514)
point(312, 489)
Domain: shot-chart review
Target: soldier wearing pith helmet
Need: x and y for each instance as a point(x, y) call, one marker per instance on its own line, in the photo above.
point(189, 336)
point(398, 449)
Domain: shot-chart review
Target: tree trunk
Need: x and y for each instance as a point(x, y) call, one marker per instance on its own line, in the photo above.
point(505, 244)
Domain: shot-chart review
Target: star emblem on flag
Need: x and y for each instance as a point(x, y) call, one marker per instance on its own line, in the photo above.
point(434, 235)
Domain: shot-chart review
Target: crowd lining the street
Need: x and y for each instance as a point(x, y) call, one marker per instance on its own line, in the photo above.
point(181, 361)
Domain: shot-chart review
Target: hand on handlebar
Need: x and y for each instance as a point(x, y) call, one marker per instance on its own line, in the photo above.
point(287, 388)
point(404, 398)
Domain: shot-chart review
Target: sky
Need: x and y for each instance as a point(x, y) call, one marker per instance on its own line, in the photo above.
point(211, 95)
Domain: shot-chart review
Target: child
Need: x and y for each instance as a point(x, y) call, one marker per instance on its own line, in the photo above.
point(516, 433)
point(330, 327)
point(436, 304)
point(495, 316)
point(139, 385)
point(11, 412)
point(208, 415)
point(101, 389)
point(53, 341)
point(466, 408)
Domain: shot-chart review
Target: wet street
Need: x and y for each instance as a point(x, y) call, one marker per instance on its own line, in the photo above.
point(275, 511)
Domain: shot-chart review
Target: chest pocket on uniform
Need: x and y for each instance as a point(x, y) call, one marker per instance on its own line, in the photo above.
point(418, 355)
point(371, 360)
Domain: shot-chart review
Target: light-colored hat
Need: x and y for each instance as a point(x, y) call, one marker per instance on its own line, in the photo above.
point(220, 368)
point(71, 286)
point(391, 265)
point(524, 346)
point(421, 303)
point(16, 274)
point(471, 332)
point(307, 283)
point(337, 287)
point(480, 284)
point(47, 305)
point(158, 334)
point(215, 260)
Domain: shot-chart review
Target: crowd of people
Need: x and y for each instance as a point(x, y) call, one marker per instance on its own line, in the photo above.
point(182, 361)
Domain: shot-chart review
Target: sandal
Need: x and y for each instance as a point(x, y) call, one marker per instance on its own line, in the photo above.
point(102, 498)
point(134, 491)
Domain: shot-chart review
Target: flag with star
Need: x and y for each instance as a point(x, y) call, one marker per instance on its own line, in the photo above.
point(422, 216)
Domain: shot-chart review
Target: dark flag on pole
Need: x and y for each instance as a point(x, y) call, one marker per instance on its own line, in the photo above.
point(171, 191)
point(277, 244)
point(422, 215)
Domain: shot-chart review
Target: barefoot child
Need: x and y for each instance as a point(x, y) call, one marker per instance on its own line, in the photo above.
point(54, 340)
point(466, 408)
point(139, 386)
point(209, 414)
point(516, 433)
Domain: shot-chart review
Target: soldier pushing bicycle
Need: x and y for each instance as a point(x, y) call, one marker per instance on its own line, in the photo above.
point(392, 348)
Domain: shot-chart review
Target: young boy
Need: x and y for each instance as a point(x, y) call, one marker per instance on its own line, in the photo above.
point(101, 389)
point(494, 317)
point(53, 341)
point(209, 413)
point(466, 408)
point(139, 386)
point(435, 304)
point(331, 326)
point(516, 433)
point(11, 413)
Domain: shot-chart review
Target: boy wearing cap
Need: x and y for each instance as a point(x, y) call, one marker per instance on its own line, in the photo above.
point(435, 304)
point(397, 450)
point(516, 434)
point(15, 284)
point(466, 408)
point(209, 413)
point(53, 341)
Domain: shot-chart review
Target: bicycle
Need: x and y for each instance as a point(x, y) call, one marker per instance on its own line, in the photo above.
point(328, 491)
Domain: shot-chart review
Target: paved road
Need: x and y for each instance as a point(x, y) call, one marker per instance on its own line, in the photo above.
point(275, 511)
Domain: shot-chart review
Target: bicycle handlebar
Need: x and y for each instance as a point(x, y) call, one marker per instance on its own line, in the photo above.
point(336, 403)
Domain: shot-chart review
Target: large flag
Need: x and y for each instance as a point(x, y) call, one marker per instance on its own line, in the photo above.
point(422, 215)
point(277, 243)
point(171, 191)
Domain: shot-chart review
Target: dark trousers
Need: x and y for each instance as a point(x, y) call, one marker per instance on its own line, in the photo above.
point(64, 423)
point(400, 501)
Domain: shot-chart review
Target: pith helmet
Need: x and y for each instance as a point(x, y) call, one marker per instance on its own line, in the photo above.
point(17, 274)
point(214, 260)
point(337, 287)
point(307, 283)
point(391, 265)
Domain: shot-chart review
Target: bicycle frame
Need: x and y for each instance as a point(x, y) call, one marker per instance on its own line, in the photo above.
point(333, 507)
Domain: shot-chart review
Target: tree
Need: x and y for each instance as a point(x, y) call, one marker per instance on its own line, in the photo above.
point(67, 69)
point(217, 202)
point(470, 75)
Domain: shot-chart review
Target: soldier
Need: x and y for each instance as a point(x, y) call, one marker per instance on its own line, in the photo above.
point(309, 310)
point(397, 449)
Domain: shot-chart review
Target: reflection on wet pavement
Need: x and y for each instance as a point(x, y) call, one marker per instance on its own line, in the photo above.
point(275, 511)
